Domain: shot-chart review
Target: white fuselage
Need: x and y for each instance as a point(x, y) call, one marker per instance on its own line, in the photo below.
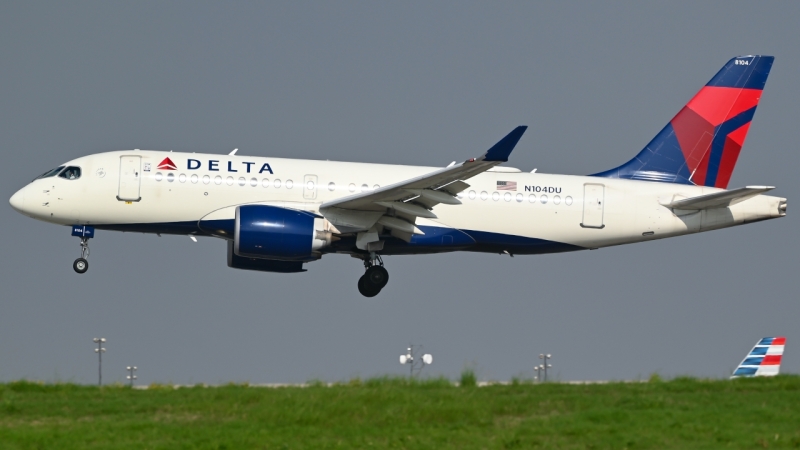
point(578, 212)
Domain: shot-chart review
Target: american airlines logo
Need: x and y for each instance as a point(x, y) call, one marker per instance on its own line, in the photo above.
point(213, 166)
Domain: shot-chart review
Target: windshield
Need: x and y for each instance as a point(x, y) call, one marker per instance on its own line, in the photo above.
point(50, 173)
point(71, 173)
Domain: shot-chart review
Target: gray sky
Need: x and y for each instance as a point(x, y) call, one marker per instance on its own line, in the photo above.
point(418, 83)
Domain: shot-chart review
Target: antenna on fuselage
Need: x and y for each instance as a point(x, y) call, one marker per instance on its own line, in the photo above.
point(234, 151)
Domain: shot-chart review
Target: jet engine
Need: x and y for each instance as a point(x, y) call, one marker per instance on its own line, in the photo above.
point(274, 233)
point(262, 265)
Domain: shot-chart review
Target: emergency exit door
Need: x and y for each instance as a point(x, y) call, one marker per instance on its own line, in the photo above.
point(593, 205)
point(310, 187)
point(130, 178)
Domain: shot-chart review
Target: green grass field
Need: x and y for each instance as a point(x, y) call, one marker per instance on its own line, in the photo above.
point(398, 413)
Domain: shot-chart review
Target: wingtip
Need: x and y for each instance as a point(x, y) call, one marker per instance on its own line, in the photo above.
point(501, 150)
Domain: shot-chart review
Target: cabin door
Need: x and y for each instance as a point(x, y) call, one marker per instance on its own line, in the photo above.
point(130, 178)
point(310, 187)
point(593, 205)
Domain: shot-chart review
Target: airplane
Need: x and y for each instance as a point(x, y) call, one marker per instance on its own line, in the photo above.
point(279, 214)
point(764, 360)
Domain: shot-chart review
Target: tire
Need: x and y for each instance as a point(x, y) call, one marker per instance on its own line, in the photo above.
point(377, 276)
point(365, 288)
point(80, 265)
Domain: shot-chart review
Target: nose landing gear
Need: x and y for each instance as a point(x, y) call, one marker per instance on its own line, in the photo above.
point(81, 265)
point(375, 276)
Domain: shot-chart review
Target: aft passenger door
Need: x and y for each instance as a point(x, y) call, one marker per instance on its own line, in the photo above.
point(593, 205)
point(130, 178)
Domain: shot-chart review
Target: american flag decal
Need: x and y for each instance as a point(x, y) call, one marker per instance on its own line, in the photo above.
point(506, 185)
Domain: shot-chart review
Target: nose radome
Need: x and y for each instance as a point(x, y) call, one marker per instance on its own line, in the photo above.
point(18, 200)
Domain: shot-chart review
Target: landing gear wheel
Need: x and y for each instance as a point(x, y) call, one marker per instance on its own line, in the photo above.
point(377, 276)
point(80, 265)
point(365, 288)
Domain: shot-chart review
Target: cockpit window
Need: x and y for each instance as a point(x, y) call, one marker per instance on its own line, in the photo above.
point(50, 173)
point(71, 173)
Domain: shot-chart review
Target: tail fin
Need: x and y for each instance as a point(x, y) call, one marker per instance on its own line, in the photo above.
point(701, 143)
point(764, 360)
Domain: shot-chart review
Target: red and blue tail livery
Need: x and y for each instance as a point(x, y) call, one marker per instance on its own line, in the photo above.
point(764, 360)
point(701, 144)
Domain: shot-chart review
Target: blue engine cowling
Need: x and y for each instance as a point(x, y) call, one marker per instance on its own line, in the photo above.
point(271, 232)
point(263, 265)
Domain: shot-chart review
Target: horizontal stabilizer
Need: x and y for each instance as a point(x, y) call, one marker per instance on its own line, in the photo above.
point(720, 199)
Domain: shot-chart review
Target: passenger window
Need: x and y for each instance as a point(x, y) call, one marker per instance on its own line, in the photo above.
point(71, 173)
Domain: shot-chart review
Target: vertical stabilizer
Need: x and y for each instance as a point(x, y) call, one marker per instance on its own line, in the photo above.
point(764, 360)
point(701, 144)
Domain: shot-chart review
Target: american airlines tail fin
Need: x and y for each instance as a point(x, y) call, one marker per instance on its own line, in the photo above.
point(701, 144)
point(764, 360)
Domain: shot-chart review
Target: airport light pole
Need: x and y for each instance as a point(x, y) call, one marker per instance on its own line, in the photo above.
point(415, 364)
point(545, 366)
point(538, 369)
point(99, 350)
point(131, 377)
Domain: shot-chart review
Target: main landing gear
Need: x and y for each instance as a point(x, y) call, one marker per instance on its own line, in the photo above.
point(81, 265)
point(375, 277)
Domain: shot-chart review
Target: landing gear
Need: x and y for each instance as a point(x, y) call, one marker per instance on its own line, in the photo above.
point(85, 232)
point(375, 277)
point(81, 265)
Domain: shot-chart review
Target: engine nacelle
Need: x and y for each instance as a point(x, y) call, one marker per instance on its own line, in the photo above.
point(271, 232)
point(262, 265)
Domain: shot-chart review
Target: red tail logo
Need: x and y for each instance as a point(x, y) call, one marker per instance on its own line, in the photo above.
point(167, 164)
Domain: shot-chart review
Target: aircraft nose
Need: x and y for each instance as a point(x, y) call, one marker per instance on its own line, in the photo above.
point(18, 200)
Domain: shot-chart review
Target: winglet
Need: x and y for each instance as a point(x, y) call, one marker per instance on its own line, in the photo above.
point(501, 150)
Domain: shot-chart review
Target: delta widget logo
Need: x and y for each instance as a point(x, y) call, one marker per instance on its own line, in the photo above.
point(167, 164)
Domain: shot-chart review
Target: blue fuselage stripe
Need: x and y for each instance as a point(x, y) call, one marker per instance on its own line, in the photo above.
point(435, 240)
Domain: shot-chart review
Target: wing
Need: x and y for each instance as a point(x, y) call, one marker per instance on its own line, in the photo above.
point(720, 199)
point(398, 205)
